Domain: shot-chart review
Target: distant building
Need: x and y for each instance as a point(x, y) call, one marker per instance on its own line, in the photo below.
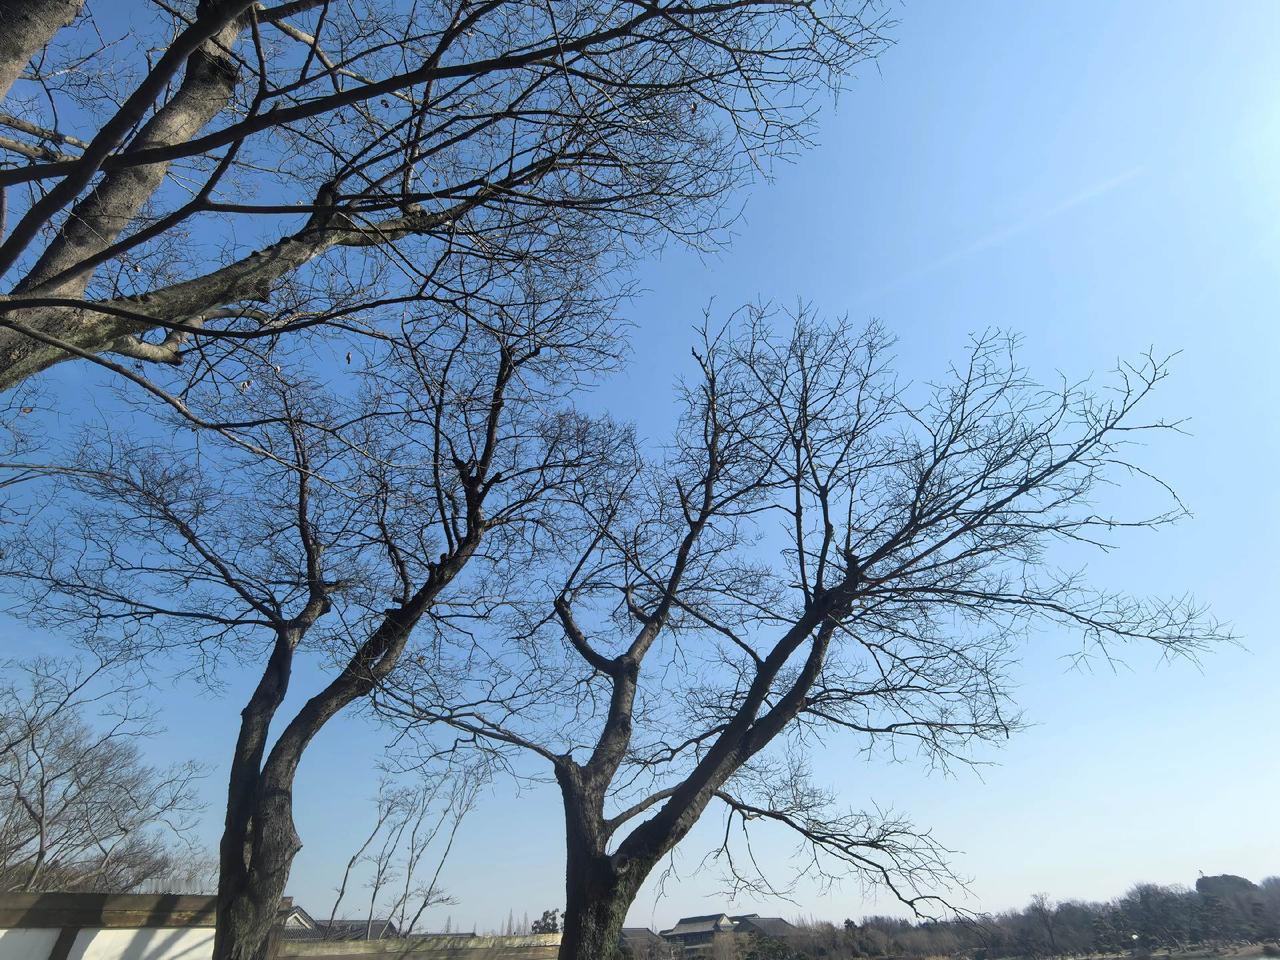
point(773, 928)
point(297, 919)
point(694, 936)
point(641, 943)
point(300, 925)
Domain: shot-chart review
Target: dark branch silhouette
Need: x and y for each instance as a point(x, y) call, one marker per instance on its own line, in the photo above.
point(820, 552)
point(245, 171)
point(373, 518)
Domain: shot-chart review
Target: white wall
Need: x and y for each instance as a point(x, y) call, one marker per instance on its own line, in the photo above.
point(26, 944)
point(175, 943)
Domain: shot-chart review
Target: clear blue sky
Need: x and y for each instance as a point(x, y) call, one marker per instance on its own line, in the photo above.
point(1102, 177)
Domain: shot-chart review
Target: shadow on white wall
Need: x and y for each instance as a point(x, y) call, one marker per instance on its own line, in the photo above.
point(145, 944)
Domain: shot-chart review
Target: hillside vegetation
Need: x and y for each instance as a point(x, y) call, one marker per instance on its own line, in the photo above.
point(1217, 915)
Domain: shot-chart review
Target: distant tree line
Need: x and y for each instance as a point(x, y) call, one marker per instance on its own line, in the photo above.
point(80, 808)
point(1219, 910)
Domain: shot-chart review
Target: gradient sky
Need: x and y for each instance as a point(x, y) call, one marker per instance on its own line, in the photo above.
point(1102, 177)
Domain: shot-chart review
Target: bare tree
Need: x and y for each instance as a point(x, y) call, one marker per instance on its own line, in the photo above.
point(79, 810)
point(208, 174)
point(414, 827)
point(383, 815)
point(818, 552)
point(344, 523)
point(1045, 914)
point(196, 873)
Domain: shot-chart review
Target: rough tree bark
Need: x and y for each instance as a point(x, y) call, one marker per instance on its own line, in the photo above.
point(246, 907)
point(28, 26)
point(97, 221)
point(597, 892)
point(113, 249)
point(260, 839)
point(100, 218)
point(600, 887)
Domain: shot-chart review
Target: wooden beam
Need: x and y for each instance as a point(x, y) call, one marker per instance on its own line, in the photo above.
point(109, 910)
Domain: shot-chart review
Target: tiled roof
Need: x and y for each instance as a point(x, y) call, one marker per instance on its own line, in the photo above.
point(299, 918)
point(639, 935)
point(343, 930)
point(774, 927)
point(710, 923)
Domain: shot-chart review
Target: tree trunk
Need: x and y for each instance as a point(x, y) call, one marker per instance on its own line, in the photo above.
point(249, 899)
point(596, 905)
point(97, 220)
point(259, 840)
point(598, 888)
point(106, 212)
point(28, 26)
point(258, 844)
